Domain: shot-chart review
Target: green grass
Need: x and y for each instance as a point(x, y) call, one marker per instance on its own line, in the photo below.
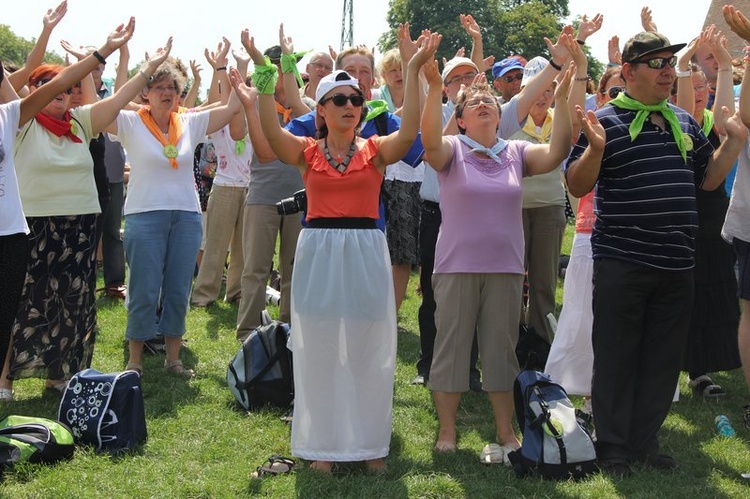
point(202, 445)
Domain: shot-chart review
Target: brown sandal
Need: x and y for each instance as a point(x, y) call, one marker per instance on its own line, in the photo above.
point(135, 367)
point(176, 367)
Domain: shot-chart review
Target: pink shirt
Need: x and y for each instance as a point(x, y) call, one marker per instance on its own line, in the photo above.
point(480, 202)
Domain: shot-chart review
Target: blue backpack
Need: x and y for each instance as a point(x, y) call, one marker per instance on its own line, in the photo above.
point(555, 444)
point(261, 372)
point(105, 409)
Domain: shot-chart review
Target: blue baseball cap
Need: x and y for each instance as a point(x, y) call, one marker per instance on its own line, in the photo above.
point(502, 67)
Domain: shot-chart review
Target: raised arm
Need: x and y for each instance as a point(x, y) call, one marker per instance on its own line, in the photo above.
point(218, 61)
point(121, 71)
point(285, 146)
point(740, 24)
point(35, 102)
point(477, 45)
point(577, 95)
point(588, 27)
point(559, 56)
point(88, 90)
point(582, 174)
point(724, 81)
point(685, 91)
point(35, 57)
point(438, 150)
point(191, 98)
point(394, 146)
point(104, 112)
point(543, 158)
point(647, 21)
point(290, 75)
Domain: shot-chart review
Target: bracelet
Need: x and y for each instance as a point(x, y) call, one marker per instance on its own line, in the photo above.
point(683, 74)
point(554, 64)
point(99, 57)
point(580, 42)
point(582, 78)
point(143, 75)
point(265, 77)
point(612, 64)
point(725, 69)
point(223, 68)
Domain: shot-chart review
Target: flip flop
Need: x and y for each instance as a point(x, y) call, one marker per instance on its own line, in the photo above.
point(275, 465)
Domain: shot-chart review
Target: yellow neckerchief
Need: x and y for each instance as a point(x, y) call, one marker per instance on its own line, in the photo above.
point(174, 133)
point(530, 128)
point(284, 112)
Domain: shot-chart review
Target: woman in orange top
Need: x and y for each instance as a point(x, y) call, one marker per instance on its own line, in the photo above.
point(342, 307)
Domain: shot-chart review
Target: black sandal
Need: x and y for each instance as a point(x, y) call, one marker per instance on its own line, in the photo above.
point(703, 386)
point(275, 465)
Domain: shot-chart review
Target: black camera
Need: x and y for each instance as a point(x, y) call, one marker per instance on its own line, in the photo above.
point(294, 204)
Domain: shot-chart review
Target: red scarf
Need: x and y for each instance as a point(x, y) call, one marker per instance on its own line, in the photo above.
point(61, 128)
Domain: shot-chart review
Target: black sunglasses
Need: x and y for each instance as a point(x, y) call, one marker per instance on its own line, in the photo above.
point(339, 100)
point(659, 62)
point(44, 81)
point(615, 91)
point(509, 79)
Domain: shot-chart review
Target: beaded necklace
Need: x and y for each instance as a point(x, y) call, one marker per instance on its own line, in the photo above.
point(339, 166)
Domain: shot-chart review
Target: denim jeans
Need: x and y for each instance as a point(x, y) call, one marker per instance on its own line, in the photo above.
point(161, 248)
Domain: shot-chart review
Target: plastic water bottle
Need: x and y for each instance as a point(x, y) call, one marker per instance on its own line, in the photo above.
point(723, 426)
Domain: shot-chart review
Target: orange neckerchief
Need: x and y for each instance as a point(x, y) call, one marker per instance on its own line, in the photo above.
point(175, 132)
point(285, 113)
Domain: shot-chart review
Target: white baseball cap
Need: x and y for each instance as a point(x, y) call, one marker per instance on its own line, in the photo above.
point(457, 62)
point(338, 78)
point(533, 68)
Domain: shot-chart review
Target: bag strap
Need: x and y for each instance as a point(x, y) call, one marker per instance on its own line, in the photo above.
point(544, 419)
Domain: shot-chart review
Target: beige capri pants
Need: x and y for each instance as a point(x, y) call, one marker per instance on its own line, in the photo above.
point(489, 303)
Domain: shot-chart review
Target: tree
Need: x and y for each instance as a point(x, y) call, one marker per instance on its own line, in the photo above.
point(14, 49)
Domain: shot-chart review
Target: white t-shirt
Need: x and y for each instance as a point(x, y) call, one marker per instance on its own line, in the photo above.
point(154, 184)
point(55, 174)
point(737, 222)
point(232, 169)
point(12, 220)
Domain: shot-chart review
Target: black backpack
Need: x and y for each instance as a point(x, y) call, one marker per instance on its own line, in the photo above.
point(555, 444)
point(261, 372)
point(105, 409)
point(33, 440)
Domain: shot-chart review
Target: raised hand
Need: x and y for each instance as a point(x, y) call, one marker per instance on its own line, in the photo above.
point(737, 22)
point(589, 27)
point(432, 74)
point(196, 69)
point(470, 25)
point(718, 44)
point(594, 131)
point(558, 52)
point(246, 95)
point(160, 55)
point(79, 53)
point(562, 89)
point(54, 16)
point(218, 59)
point(647, 21)
point(734, 127)
point(575, 50)
point(613, 50)
point(332, 52)
point(249, 43)
point(121, 35)
point(428, 45)
point(241, 56)
point(285, 42)
point(406, 46)
point(488, 62)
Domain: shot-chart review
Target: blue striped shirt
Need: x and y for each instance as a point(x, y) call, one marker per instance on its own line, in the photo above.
point(645, 195)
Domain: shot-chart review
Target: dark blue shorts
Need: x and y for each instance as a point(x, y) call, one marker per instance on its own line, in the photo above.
point(742, 249)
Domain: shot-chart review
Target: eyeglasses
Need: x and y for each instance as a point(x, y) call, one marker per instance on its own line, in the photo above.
point(320, 65)
point(511, 78)
point(615, 91)
point(487, 101)
point(44, 81)
point(339, 100)
point(162, 89)
point(700, 88)
point(659, 62)
point(467, 78)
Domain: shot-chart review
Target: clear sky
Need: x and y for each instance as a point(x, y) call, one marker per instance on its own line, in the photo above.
point(313, 24)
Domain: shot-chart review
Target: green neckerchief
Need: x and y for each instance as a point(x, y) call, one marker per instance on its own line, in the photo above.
point(643, 111)
point(239, 146)
point(265, 77)
point(708, 121)
point(375, 108)
point(289, 65)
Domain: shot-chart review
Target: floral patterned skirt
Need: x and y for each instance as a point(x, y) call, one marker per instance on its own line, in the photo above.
point(55, 328)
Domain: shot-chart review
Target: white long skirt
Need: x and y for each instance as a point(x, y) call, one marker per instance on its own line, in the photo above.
point(344, 345)
point(571, 358)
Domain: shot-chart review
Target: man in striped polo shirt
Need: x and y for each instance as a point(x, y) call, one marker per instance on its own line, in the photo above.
point(646, 158)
